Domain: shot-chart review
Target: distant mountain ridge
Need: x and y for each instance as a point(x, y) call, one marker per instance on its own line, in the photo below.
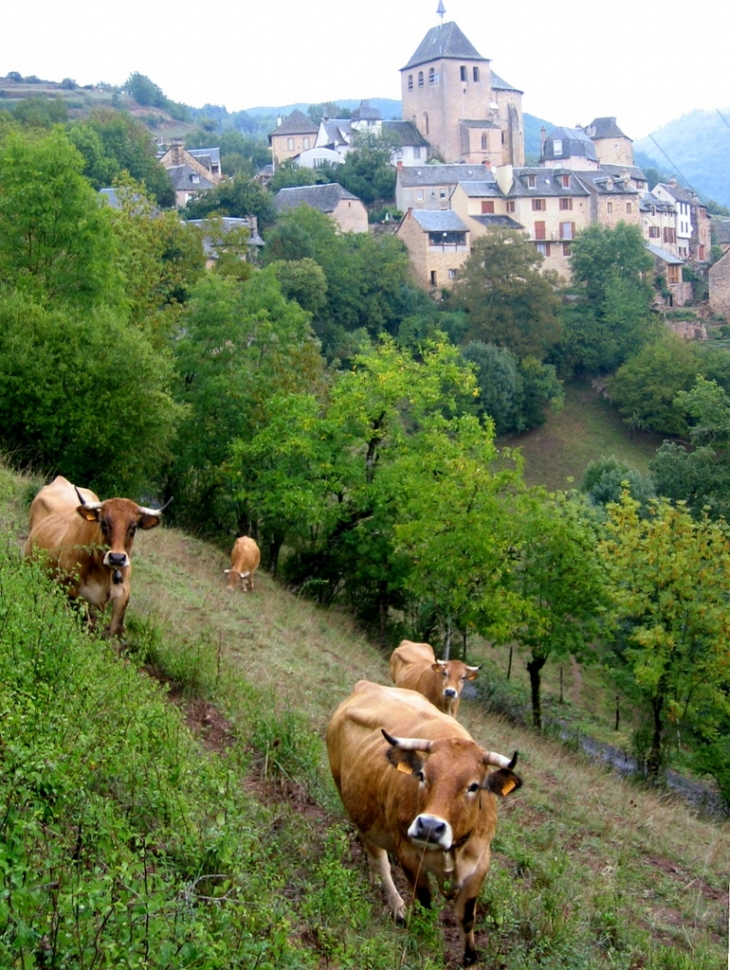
point(695, 148)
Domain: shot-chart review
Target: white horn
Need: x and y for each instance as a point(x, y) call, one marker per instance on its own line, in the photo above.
point(408, 744)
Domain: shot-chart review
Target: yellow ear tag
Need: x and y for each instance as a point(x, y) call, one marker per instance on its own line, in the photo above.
point(401, 766)
point(508, 786)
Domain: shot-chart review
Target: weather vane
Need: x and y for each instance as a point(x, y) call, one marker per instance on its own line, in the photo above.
point(441, 10)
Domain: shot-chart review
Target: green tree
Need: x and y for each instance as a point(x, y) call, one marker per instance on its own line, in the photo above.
point(605, 479)
point(366, 171)
point(144, 91)
point(670, 575)
point(83, 393)
point(239, 344)
point(509, 301)
point(41, 112)
point(601, 256)
point(645, 388)
point(56, 241)
point(237, 197)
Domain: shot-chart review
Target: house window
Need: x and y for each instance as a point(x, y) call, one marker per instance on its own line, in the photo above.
point(306, 143)
point(567, 230)
point(531, 181)
point(419, 195)
point(420, 79)
point(195, 179)
point(629, 207)
point(566, 204)
point(442, 193)
point(566, 249)
point(609, 207)
point(566, 181)
point(410, 82)
point(510, 205)
point(452, 274)
point(540, 230)
point(654, 232)
point(539, 205)
point(433, 277)
point(672, 274)
point(432, 75)
point(290, 144)
point(487, 205)
point(425, 121)
point(463, 73)
point(557, 147)
point(484, 142)
point(669, 235)
point(543, 248)
point(417, 151)
point(475, 75)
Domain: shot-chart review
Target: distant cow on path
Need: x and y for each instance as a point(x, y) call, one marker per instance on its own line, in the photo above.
point(414, 666)
point(245, 559)
point(418, 787)
point(87, 543)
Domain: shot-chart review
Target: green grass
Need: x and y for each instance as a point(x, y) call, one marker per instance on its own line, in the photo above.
point(557, 453)
point(206, 854)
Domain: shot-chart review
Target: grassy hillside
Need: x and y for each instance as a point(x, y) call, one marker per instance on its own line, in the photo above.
point(556, 454)
point(589, 870)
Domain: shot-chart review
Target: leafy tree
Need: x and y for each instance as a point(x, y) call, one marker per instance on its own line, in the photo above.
point(56, 241)
point(601, 256)
point(238, 197)
point(289, 175)
point(303, 280)
point(327, 109)
point(99, 168)
point(366, 171)
point(509, 302)
point(144, 91)
point(84, 394)
point(160, 257)
point(557, 585)
point(41, 112)
point(645, 387)
point(239, 344)
point(670, 576)
point(133, 150)
point(605, 480)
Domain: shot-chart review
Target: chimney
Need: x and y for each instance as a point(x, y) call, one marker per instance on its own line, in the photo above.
point(177, 148)
point(543, 140)
point(399, 164)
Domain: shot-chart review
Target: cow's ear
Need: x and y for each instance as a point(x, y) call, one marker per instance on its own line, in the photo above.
point(472, 673)
point(503, 781)
point(90, 514)
point(439, 666)
point(148, 521)
point(409, 762)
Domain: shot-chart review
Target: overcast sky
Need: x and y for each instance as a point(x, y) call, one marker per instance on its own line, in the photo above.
point(643, 62)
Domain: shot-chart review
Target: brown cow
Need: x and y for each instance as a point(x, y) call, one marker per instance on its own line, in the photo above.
point(415, 667)
point(245, 559)
point(87, 543)
point(418, 787)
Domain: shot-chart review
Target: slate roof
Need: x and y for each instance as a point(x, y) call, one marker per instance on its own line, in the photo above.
point(488, 189)
point(406, 132)
point(207, 156)
point(297, 123)
point(497, 222)
point(677, 192)
point(366, 112)
point(575, 143)
point(418, 175)
point(322, 197)
point(605, 184)
point(499, 84)
point(339, 131)
point(444, 41)
point(650, 201)
point(227, 223)
point(548, 182)
point(438, 220)
point(185, 179)
point(665, 257)
point(633, 171)
point(604, 128)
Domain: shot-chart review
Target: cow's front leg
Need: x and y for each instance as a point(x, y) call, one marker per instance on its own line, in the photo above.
point(380, 866)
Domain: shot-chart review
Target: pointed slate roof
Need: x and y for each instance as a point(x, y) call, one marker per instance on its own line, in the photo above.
point(323, 197)
point(445, 41)
point(297, 123)
point(604, 128)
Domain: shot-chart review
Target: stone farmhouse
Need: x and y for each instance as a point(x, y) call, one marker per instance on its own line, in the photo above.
point(191, 170)
point(341, 206)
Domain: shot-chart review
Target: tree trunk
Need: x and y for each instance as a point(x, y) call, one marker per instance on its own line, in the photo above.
point(534, 666)
point(509, 664)
point(654, 760)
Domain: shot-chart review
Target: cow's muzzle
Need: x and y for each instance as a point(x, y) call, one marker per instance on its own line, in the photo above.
point(116, 560)
point(431, 830)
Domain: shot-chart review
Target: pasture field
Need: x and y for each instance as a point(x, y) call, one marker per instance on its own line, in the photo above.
point(247, 851)
point(557, 454)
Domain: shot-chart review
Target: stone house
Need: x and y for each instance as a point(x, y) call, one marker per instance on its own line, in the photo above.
point(205, 162)
point(431, 186)
point(465, 111)
point(295, 134)
point(668, 267)
point(719, 280)
point(187, 183)
point(658, 222)
point(438, 245)
point(338, 136)
point(341, 206)
point(612, 146)
point(682, 201)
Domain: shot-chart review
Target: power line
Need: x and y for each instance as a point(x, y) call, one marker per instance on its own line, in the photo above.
point(676, 167)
